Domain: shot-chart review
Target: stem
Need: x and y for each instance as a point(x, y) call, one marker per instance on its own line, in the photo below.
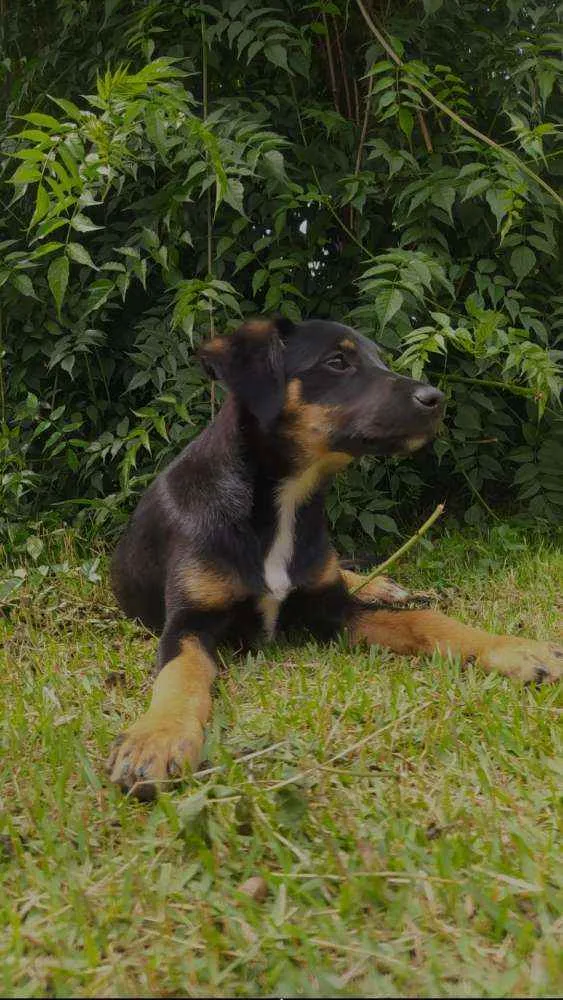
point(364, 128)
point(516, 390)
point(514, 159)
point(402, 550)
point(344, 75)
point(328, 46)
point(425, 132)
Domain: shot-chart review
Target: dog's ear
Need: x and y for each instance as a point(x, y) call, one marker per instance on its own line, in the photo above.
point(250, 363)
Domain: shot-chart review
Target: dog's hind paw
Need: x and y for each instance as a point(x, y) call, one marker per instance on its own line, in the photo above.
point(525, 660)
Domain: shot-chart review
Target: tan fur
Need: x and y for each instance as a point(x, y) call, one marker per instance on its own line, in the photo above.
point(426, 631)
point(170, 734)
point(348, 345)
point(381, 588)
point(329, 573)
point(310, 426)
point(210, 588)
point(258, 328)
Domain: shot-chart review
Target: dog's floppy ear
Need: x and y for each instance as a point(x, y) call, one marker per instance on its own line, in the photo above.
point(250, 363)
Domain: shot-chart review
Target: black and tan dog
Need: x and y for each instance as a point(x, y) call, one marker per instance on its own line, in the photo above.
point(230, 541)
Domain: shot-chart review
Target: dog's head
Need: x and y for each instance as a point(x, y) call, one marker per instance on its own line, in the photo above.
point(325, 387)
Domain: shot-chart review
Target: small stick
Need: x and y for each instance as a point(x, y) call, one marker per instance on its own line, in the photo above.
point(401, 551)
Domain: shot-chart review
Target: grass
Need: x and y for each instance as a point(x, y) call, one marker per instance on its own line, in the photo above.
point(403, 812)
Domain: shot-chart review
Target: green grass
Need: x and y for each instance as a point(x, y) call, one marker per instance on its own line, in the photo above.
point(403, 812)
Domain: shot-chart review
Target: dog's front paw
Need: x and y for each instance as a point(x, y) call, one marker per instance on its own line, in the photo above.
point(525, 660)
point(152, 752)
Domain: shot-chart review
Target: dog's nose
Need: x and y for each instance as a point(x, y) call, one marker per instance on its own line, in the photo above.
point(429, 397)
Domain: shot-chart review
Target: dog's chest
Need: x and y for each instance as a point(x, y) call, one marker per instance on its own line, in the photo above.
point(280, 554)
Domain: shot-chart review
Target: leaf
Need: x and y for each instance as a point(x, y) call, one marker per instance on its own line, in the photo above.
point(406, 121)
point(80, 254)
point(275, 162)
point(25, 174)
point(233, 195)
point(45, 121)
point(57, 277)
point(83, 224)
point(277, 55)
point(99, 293)
point(476, 186)
point(522, 261)
point(258, 279)
point(367, 521)
point(387, 304)
point(23, 284)
point(444, 197)
point(34, 547)
point(42, 205)
point(386, 523)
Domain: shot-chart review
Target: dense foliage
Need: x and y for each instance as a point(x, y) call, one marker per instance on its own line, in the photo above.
point(169, 167)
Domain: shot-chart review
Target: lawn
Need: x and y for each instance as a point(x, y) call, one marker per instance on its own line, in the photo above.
point(403, 813)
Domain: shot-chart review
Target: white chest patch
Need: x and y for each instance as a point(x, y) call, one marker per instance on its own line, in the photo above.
point(277, 562)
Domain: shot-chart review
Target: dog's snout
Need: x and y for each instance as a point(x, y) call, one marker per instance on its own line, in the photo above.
point(429, 397)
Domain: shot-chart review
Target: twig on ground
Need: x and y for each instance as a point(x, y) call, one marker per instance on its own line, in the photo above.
point(402, 550)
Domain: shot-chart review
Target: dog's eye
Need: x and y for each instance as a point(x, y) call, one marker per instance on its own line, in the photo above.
point(337, 362)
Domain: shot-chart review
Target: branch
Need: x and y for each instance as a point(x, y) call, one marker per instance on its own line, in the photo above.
point(402, 550)
point(331, 66)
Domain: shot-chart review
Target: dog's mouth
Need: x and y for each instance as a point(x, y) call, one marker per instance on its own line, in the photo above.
point(387, 446)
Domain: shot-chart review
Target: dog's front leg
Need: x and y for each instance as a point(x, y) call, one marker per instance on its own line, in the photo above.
point(426, 631)
point(170, 734)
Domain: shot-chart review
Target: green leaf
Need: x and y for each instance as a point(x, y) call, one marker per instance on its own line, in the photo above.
point(386, 523)
point(277, 55)
point(83, 224)
point(233, 195)
point(522, 261)
point(25, 174)
point(387, 304)
point(444, 197)
point(367, 521)
point(34, 547)
point(45, 121)
point(275, 162)
point(406, 121)
point(80, 254)
point(99, 292)
point(23, 284)
point(42, 205)
point(57, 277)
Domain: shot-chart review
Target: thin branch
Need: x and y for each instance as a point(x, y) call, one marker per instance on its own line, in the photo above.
point(402, 550)
point(425, 132)
point(364, 128)
point(328, 47)
point(343, 70)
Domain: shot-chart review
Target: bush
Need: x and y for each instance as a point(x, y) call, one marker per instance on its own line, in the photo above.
point(230, 158)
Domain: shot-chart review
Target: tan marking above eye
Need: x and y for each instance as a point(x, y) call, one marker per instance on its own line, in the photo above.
point(348, 345)
point(258, 327)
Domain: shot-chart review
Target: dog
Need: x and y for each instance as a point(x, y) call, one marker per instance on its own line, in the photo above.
point(230, 544)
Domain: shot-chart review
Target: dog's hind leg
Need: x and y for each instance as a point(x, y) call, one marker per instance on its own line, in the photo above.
point(426, 631)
